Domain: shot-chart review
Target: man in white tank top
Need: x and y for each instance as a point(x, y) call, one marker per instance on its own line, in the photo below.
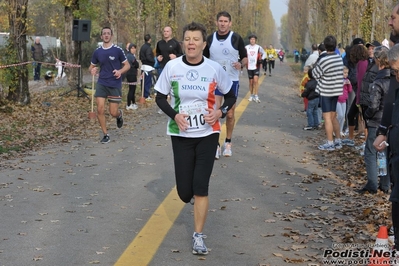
point(256, 54)
point(228, 49)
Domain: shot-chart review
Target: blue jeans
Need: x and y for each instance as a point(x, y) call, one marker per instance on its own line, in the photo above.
point(36, 76)
point(370, 158)
point(341, 110)
point(147, 83)
point(312, 113)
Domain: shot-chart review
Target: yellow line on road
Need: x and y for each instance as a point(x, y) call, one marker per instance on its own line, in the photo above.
point(147, 241)
point(144, 246)
point(240, 108)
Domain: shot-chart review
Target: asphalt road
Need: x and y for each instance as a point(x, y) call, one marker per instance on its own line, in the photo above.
point(83, 203)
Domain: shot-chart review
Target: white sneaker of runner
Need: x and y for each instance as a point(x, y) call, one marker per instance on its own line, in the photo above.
point(218, 152)
point(227, 149)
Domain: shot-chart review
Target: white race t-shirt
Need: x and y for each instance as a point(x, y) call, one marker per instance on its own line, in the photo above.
point(192, 89)
point(252, 55)
point(225, 54)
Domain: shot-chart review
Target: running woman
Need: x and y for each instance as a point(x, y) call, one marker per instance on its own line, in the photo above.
point(193, 123)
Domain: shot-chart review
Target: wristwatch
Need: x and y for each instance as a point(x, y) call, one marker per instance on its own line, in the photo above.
point(224, 111)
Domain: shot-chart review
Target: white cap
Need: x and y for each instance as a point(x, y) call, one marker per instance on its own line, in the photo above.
point(385, 43)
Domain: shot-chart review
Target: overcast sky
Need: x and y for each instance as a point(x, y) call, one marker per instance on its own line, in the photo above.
point(278, 8)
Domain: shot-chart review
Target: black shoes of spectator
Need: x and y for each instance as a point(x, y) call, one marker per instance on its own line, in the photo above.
point(364, 190)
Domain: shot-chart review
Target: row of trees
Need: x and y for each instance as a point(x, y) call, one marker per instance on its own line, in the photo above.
point(312, 20)
point(129, 19)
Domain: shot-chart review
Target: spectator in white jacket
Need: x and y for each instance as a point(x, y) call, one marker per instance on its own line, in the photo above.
point(313, 56)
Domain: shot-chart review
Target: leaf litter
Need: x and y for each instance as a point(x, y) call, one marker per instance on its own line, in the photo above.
point(340, 215)
point(355, 218)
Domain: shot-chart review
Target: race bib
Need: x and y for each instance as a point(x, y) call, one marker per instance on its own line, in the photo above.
point(196, 113)
point(224, 64)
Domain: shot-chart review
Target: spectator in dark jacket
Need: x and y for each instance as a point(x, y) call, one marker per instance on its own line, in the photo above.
point(147, 60)
point(378, 90)
point(352, 74)
point(304, 57)
point(37, 56)
point(390, 120)
point(167, 49)
point(313, 102)
point(131, 77)
point(369, 76)
point(359, 57)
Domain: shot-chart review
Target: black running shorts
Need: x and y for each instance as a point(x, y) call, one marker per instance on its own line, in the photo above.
point(112, 94)
point(193, 160)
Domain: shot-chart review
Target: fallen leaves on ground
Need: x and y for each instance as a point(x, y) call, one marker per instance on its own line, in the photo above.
point(348, 217)
point(52, 119)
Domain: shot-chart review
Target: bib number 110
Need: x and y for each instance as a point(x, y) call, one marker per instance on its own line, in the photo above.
point(196, 121)
point(195, 114)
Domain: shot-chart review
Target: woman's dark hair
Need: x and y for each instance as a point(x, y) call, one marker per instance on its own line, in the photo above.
point(381, 54)
point(346, 59)
point(348, 49)
point(310, 74)
point(358, 53)
point(194, 26)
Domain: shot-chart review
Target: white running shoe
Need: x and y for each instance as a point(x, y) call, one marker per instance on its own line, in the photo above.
point(326, 147)
point(337, 144)
point(361, 146)
point(250, 98)
point(199, 247)
point(218, 152)
point(134, 106)
point(348, 142)
point(257, 99)
point(227, 149)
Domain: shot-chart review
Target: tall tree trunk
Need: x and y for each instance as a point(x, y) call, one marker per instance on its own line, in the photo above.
point(141, 22)
point(72, 51)
point(138, 36)
point(372, 26)
point(112, 19)
point(172, 11)
point(19, 87)
point(239, 18)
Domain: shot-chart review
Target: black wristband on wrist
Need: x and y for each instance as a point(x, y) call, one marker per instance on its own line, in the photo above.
point(381, 130)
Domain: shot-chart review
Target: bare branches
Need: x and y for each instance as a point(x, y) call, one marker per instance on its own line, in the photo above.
point(342, 18)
